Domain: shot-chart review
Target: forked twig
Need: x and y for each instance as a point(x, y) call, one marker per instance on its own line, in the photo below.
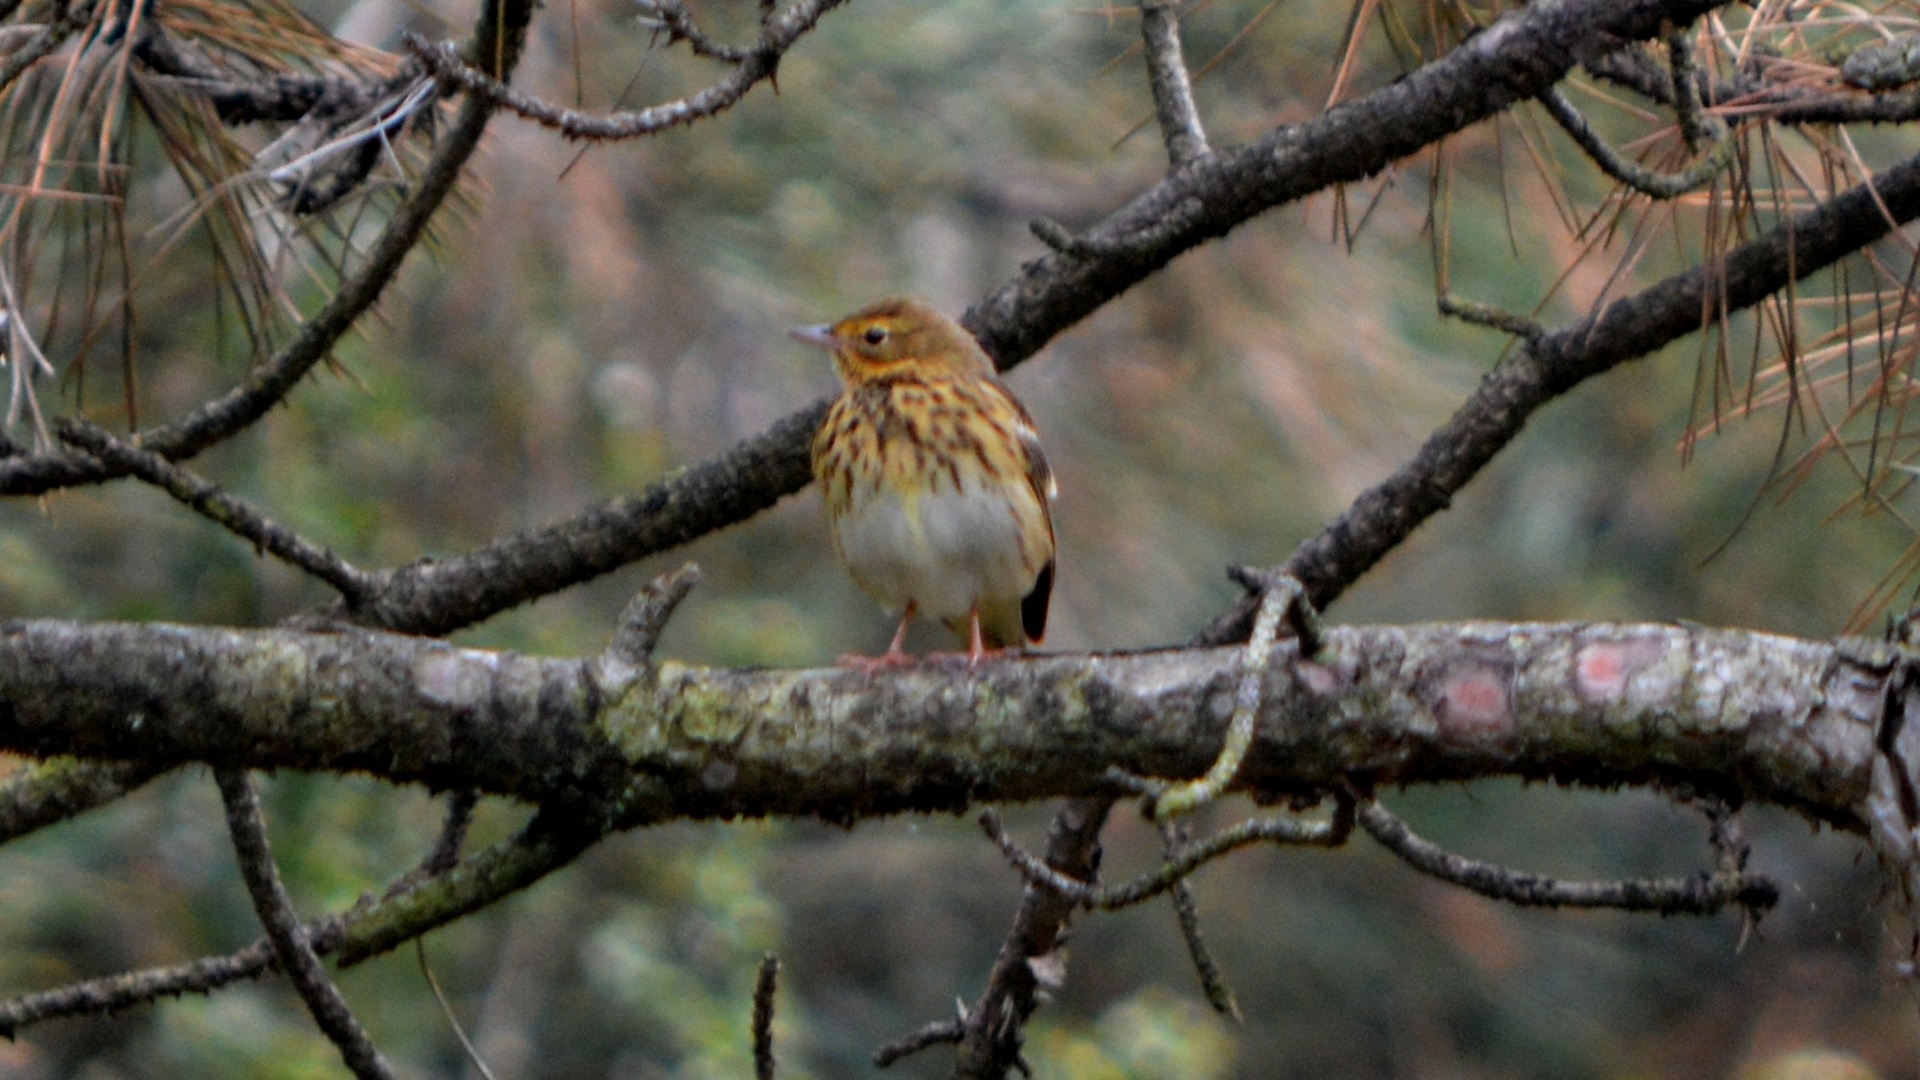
point(1331, 832)
point(751, 66)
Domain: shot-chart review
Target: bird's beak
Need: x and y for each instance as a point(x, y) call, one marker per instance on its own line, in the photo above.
point(820, 336)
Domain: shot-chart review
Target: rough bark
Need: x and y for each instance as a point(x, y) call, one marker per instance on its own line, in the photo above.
point(1745, 716)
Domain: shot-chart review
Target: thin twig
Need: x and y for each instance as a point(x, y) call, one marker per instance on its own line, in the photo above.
point(765, 983)
point(66, 19)
point(1487, 315)
point(446, 1009)
point(1331, 832)
point(672, 18)
point(1172, 88)
point(1701, 894)
point(936, 1033)
point(291, 949)
point(1276, 599)
point(1186, 913)
point(751, 66)
point(1650, 182)
point(230, 512)
point(453, 833)
point(1062, 239)
point(647, 614)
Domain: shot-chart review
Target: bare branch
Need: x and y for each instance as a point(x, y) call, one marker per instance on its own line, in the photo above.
point(1172, 89)
point(993, 1029)
point(1650, 182)
point(1186, 912)
point(1551, 364)
point(443, 595)
point(1275, 830)
point(203, 497)
point(292, 951)
point(1697, 126)
point(1426, 703)
point(751, 66)
point(1702, 894)
point(48, 792)
point(764, 985)
point(647, 614)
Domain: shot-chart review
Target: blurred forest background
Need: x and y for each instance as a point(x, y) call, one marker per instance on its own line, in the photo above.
point(598, 317)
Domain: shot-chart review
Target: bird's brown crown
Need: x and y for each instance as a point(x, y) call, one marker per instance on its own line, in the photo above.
point(903, 336)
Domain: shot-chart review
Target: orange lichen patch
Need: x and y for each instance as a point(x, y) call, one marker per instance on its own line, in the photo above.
point(1602, 668)
point(1474, 700)
point(1316, 678)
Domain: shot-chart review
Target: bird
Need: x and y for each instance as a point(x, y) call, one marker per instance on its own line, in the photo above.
point(936, 488)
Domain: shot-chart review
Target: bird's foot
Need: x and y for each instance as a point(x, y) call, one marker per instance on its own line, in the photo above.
point(895, 657)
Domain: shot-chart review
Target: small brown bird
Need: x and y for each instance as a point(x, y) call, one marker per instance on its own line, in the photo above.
point(935, 484)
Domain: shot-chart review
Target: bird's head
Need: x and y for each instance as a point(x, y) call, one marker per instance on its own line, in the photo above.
point(894, 337)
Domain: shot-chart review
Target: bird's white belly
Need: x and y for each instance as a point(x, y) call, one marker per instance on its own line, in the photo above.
point(943, 550)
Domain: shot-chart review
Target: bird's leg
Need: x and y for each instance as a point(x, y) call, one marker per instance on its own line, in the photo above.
point(896, 654)
point(975, 648)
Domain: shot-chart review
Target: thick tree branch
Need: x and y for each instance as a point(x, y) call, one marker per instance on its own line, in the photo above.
point(1749, 716)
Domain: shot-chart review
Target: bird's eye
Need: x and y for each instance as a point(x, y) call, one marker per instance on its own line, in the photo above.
point(874, 335)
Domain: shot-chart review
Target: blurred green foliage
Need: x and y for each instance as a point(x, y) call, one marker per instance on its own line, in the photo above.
point(606, 315)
